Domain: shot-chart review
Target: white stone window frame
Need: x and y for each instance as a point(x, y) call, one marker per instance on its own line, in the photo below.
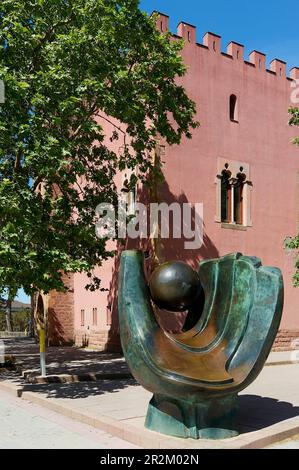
point(234, 167)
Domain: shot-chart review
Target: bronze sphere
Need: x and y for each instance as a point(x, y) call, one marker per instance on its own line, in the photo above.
point(174, 286)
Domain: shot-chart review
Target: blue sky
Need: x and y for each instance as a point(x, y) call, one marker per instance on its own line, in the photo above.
point(269, 26)
point(22, 297)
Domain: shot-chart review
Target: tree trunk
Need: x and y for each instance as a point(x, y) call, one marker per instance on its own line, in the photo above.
point(31, 325)
point(8, 315)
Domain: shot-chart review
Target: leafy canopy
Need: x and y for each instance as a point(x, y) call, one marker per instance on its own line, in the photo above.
point(64, 62)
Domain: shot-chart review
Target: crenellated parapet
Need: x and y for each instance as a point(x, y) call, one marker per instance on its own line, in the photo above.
point(234, 50)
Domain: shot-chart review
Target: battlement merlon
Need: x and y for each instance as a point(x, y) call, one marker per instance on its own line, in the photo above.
point(258, 59)
point(187, 32)
point(212, 42)
point(294, 73)
point(162, 21)
point(236, 50)
point(279, 67)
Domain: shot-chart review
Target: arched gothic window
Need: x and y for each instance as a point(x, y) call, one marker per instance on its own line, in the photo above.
point(232, 210)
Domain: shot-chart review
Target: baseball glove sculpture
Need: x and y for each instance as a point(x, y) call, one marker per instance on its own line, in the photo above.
point(195, 375)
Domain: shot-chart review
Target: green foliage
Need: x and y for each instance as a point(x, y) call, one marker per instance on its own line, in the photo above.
point(293, 243)
point(65, 64)
point(294, 121)
point(20, 320)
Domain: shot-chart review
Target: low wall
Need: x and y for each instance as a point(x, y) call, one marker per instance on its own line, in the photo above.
point(13, 334)
point(105, 340)
point(286, 340)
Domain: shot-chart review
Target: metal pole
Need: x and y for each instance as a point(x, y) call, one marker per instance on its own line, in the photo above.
point(42, 349)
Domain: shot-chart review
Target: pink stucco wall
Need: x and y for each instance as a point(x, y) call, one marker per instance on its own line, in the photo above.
point(261, 138)
point(106, 329)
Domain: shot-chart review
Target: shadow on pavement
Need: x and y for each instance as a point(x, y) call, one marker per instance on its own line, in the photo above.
point(256, 412)
point(64, 360)
point(80, 390)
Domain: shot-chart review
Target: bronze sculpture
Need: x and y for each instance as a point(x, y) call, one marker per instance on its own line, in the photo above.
point(195, 376)
point(174, 286)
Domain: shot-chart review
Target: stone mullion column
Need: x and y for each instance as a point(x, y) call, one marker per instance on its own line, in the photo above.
point(246, 204)
point(232, 182)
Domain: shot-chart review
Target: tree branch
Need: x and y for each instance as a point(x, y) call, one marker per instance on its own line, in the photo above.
point(36, 183)
point(110, 122)
point(17, 165)
point(47, 37)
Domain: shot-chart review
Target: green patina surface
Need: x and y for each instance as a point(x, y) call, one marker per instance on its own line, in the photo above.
point(195, 376)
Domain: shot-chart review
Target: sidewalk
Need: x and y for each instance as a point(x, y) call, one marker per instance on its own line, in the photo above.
point(269, 408)
point(65, 360)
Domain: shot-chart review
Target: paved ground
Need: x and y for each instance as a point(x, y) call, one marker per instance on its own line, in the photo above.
point(269, 406)
point(24, 425)
point(288, 444)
